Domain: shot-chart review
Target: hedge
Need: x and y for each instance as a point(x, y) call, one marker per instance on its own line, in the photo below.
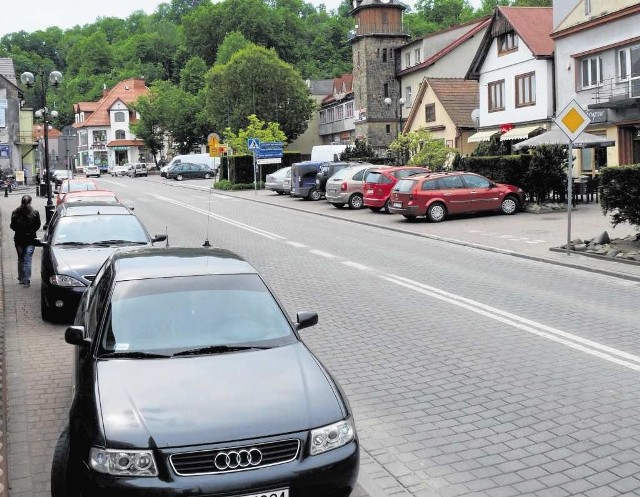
point(620, 193)
point(509, 169)
point(242, 167)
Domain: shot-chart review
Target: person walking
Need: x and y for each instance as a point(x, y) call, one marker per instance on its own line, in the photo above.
point(25, 221)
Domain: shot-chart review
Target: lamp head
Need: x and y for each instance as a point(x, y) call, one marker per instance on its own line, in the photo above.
point(38, 113)
point(55, 77)
point(54, 113)
point(387, 101)
point(401, 102)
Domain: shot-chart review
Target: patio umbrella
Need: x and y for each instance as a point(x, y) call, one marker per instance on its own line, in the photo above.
point(557, 137)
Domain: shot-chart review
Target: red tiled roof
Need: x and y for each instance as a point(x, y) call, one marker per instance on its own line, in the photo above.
point(86, 106)
point(344, 82)
point(38, 132)
point(534, 26)
point(459, 97)
point(127, 91)
point(125, 143)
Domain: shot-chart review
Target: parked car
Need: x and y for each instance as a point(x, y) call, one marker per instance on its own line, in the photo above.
point(345, 187)
point(200, 341)
point(286, 183)
point(90, 196)
point(438, 195)
point(120, 170)
point(91, 170)
point(303, 180)
point(137, 169)
point(186, 170)
point(80, 236)
point(379, 182)
point(327, 170)
point(74, 185)
point(275, 180)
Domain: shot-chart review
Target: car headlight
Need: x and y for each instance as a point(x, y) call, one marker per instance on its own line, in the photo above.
point(64, 280)
point(123, 462)
point(332, 436)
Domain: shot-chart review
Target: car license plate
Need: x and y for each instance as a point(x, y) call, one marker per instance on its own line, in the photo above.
point(369, 191)
point(396, 204)
point(283, 492)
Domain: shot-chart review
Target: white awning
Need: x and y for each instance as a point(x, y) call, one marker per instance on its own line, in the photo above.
point(520, 133)
point(482, 136)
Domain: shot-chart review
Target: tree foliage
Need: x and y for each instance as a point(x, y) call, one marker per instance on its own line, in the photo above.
point(419, 148)
point(360, 150)
point(256, 128)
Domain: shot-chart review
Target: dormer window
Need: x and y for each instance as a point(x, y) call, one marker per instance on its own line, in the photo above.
point(507, 42)
point(118, 117)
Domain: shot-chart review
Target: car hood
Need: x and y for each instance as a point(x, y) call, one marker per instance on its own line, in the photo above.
point(197, 400)
point(79, 262)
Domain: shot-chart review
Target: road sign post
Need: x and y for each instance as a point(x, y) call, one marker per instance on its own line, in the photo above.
point(572, 120)
point(253, 144)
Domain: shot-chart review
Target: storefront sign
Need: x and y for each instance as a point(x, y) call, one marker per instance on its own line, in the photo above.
point(4, 151)
point(597, 115)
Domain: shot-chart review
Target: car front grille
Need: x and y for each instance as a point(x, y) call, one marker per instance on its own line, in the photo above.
point(233, 459)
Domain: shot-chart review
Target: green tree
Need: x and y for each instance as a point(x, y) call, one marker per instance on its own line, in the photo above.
point(256, 81)
point(419, 148)
point(91, 55)
point(192, 75)
point(360, 150)
point(256, 128)
point(148, 128)
point(547, 172)
point(232, 43)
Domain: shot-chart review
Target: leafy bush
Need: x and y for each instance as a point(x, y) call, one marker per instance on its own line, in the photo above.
point(620, 193)
point(223, 184)
point(546, 173)
point(509, 169)
point(359, 151)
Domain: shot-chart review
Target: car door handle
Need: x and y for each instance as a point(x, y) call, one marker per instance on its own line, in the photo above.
point(473, 191)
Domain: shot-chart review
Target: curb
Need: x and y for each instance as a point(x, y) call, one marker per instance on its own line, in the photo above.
point(605, 272)
point(4, 477)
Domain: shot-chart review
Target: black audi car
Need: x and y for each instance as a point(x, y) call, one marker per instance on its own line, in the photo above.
point(191, 379)
point(77, 241)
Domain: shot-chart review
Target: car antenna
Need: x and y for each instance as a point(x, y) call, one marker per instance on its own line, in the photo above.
point(206, 241)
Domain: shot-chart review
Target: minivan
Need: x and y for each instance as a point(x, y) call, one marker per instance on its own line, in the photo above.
point(303, 180)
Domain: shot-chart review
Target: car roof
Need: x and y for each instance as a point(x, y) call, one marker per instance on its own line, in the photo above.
point(171, 262)
point(88, 194)
point(93, 208)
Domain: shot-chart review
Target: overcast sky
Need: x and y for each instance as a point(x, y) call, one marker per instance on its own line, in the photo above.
point(35, 15)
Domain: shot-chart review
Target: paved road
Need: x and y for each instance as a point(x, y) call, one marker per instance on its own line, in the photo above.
point(470, 372)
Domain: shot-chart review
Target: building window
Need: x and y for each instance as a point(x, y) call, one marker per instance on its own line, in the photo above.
point(385, 90)
point(331, 115)
point(100, 136)
point(348, 110)
point(526, 89)
point(629, 63)
point(407, 59)
point(507, 42)
point(390, 54)
point(591, 71)
point(587, 7)
point(496, 96)
point(385, 18)
point(430, 113)
point(408, 96)
point(384, 55)
point(418, 57)
point(120, 134)
point(323, 117)
point(118, 117)
point(340, 112)
point(388, 128)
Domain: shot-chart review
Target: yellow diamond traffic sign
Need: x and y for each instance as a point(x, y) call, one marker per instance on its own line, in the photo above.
point(572, 120)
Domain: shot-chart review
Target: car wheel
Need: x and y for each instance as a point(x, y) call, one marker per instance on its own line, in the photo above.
point(338, 206)
point(355, 201)
point(62, 477)
point(509, 205)
point(315, 194)
point(207, 176)
point(436, 212)
point(280, 192)
point(375, 209)
point(179, 177)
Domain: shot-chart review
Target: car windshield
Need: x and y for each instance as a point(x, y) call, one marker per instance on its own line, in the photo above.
point(192, 313)
point(341, 174)
point(373, 177)
point(78, 186)
point(405, 186)
point(99, 228)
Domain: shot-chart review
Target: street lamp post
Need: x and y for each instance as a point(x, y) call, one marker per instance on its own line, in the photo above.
point(54, 79)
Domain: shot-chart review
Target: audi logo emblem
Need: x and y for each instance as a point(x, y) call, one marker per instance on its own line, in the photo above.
point(237, 459)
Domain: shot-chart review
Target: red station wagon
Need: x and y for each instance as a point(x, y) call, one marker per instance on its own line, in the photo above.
point(437, 195)
point(379, 182)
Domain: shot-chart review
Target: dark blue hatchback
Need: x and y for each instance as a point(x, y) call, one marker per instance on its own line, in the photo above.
point(303, 180)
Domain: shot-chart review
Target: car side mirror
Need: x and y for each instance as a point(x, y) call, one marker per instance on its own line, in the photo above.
point(75, 336)
point(158, 238)
point(306, 319)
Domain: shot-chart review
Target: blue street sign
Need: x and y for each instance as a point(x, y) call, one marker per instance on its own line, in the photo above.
point(253, 144)
point(269, 150)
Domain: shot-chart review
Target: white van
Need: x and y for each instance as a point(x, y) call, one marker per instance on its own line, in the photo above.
point(212, 162)
point(327, 153)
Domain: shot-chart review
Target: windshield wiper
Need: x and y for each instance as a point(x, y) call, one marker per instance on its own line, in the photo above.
point(217, 349)
point(72, 244)
point(118, 242)
point(135, 355)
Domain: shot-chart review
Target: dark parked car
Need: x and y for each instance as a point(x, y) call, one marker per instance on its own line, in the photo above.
point(187, 170)
point(327, 170)
point(437, 195)
point(80, 236)
point(192, 380)
point(303, 180)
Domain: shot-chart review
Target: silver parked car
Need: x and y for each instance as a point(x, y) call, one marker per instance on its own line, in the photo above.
point(286, 183)
point(275, 180)
point(345, 186)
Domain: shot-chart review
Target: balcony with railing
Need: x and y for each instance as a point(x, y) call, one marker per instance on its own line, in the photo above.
point(615, 94)
point(26, 138)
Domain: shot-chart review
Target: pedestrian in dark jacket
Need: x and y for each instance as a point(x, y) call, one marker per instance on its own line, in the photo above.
point(25, 221)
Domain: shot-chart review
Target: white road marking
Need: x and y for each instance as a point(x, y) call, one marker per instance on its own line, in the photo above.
point(356, 265)
point(535, 241)
point(585, 345)
point(297, 245)
point(323, 254)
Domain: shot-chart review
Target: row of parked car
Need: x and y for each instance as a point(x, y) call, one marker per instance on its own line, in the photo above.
point(411, 191)
point(152, 327)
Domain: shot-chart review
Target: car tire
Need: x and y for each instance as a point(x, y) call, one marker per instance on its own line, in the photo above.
point(178, 177)
point(207, 176)
point(355, 201)
point(62, 477)
point(509, 205)
point(436, 212)
point(338, 206)
point(280, 192)
point(314, 194)
point(375, 209)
